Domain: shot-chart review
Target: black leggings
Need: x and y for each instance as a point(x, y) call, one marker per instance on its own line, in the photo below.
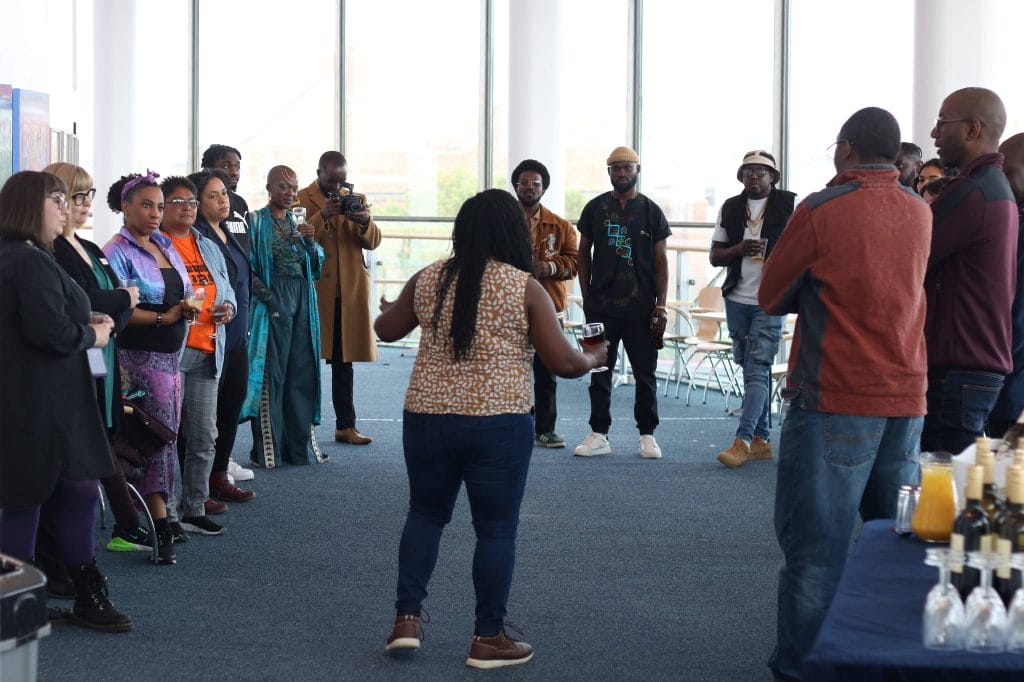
point(234, 382)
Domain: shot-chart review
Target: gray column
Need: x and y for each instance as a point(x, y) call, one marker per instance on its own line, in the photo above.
point(956, 44)
point(535, 92)
point(114, 109)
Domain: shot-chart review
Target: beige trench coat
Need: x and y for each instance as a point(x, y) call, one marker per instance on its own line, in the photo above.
point(344, 276)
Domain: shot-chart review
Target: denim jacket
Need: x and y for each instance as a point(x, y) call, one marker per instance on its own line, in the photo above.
point(218, 268)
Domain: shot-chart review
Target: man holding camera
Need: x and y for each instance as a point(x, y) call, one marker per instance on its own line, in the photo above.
point(343, 228)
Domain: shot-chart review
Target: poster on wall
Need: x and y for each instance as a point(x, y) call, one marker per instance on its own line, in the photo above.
point(6, 132)
point(31, 128)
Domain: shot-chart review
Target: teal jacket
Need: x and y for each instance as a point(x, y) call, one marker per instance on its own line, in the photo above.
point(261, 231)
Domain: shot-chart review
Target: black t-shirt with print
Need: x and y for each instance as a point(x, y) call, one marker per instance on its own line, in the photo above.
point(622, 270)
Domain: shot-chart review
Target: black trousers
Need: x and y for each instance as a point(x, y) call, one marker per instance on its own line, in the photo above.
point(341, 382)
point(234, 382)
point(544, 404)
point(635, 336)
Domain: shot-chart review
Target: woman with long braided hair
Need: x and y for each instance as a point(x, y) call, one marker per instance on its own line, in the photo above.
point(468, 413)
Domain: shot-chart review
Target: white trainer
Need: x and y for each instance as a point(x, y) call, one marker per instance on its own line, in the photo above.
point(649, 447)
point(238, 472)
point(594, 444)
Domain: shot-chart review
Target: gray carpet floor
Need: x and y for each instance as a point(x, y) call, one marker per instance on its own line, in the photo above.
point(627, 569)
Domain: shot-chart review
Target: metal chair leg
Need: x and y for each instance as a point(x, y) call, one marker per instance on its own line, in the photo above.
point(155, 544)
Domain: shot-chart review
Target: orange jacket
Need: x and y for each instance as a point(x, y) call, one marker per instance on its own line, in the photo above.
point(554, 241)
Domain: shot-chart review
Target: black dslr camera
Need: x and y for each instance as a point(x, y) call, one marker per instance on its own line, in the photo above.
point(350, 203)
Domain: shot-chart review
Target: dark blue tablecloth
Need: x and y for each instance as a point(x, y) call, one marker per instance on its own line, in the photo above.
point(873, 628)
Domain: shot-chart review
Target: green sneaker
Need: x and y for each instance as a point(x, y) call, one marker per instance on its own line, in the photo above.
point(550, 440)
point(137, 540)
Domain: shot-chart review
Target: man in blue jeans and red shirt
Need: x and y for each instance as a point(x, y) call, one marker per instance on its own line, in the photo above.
point(749, 226)
point(972, 273)
point(851, 264)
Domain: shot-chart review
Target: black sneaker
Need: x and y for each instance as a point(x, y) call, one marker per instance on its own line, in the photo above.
point(178, 534)
point(134, 540)
point(202, 525)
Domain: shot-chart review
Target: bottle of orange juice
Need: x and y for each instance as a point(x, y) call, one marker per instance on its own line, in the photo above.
point(936, 509)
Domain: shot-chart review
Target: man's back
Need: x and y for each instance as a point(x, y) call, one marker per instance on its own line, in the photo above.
point(857, 253)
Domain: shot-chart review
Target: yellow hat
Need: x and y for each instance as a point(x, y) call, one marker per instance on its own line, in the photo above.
point(623, 155)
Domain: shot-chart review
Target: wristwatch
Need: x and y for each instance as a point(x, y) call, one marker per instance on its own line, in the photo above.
point(159, 320)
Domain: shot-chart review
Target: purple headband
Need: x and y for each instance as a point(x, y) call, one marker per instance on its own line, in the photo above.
point(148, 179)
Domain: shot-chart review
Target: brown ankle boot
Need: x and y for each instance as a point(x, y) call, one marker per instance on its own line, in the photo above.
point(736, 456)
point(497, 651)
point(760, 449)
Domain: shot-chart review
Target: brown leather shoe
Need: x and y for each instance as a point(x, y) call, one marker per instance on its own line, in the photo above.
point(760, 449)
point(497, 651)
point(406, 634)
point(737, 454)
point(351, 436)
point(223, 490)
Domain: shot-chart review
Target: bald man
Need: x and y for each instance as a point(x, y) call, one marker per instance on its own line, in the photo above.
point(283, 398)
point(343, 229)
point(1010, 404)
point(972, 273)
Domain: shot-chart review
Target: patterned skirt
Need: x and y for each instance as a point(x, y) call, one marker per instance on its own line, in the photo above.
point(159, 376)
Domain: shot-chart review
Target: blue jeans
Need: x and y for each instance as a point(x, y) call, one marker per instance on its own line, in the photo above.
point(830, 466)
point(959, 402)
point(492, 456)
point(755, 341)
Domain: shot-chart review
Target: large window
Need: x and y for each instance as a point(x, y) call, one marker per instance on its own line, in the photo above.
point(597, 100)
point(706, 100)
point(268, 86)
point(829, 79)
point(412, 104)
point(161, 90)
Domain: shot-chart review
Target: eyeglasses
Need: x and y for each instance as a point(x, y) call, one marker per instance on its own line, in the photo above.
point(58, 198)
point(182, 203)
point(941, 122)
point(79, 197)
point(526, 184)
point(760, 172)
point(830, 151)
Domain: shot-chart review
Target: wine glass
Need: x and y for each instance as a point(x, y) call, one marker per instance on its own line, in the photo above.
point(592, 334)
point(986, 614)
point(944, 618)
point(1015, 612)
point(195, 302)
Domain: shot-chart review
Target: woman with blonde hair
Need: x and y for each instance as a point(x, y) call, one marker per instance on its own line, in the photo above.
point(85, 263)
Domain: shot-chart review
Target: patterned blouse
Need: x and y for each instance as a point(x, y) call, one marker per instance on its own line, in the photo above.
point(497, 376)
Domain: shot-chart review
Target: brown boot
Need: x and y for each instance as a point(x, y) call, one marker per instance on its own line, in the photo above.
point(406, 634)
point(760, 449)
point(737, 454)
point(497, 651)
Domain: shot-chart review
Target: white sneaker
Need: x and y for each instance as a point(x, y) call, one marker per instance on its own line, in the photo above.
point(594, 444)
point(649, 447)
point(238, 472)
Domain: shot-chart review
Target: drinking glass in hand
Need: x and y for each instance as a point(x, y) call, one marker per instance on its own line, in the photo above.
point(592, 334)
point(194, 303)
point(220, 316)
point(300, 214)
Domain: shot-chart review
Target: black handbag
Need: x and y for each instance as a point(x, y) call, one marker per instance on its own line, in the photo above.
point(141, 436)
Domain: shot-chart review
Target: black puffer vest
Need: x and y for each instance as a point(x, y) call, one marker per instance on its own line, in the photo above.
point(734, 220)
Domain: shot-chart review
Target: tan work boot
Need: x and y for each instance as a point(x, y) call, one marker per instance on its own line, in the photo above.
point(737, 454)
point(760, 449)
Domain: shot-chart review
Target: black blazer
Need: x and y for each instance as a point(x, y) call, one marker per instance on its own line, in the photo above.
point(115, 303)
point(50, 423)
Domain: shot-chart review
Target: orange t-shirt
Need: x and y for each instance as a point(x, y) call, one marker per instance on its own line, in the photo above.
point(199, 332)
